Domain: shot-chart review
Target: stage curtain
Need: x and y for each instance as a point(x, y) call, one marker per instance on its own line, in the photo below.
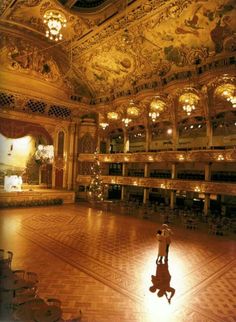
point(16, 129)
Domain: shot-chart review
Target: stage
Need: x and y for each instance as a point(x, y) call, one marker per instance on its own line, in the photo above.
point(36, 194)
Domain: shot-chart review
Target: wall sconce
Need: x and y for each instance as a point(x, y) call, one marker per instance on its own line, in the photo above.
point(197, 189)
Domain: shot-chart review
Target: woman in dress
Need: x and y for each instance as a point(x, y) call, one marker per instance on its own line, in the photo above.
point(161, 246)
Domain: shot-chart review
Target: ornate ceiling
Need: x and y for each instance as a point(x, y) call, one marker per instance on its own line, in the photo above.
point(111, 46)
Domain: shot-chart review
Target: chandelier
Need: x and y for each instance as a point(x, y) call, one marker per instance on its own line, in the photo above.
point(189, 102)
point(154, 116)
point(157, 106)
point(132, 111)
point(112, 116)
point(44, 154)
point(126, 121)
point(104, 125)
point(230, 97)
point(54, 20)
point(188, 108)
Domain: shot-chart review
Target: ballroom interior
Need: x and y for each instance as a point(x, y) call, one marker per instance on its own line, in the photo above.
point(116, 117)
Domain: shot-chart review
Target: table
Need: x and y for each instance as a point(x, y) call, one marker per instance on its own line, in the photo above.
point(50, 313)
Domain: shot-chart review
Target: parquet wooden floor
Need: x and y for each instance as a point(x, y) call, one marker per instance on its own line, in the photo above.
point(102, 263)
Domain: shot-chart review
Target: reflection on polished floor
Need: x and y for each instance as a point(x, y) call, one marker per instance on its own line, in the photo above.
point(104, 264)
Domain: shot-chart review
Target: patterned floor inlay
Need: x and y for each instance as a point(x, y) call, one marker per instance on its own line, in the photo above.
point(102, 263)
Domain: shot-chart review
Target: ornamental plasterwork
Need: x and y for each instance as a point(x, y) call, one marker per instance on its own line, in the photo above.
point(108, 69)
point(172, 39)
point(20, 56)
point(3, 5)
point(166, 156)
point(184, 185)
point(165, 37)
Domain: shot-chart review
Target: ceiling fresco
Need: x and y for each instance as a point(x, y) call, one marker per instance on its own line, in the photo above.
point(123, 43)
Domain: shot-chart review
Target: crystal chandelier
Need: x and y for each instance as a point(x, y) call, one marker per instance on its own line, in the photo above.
point(131, 112)
point(157, 106)
point(126, 121)
point(104, 125)
point(132, 109)
point(188, 108)
point(54, 20)
point(112, 116)
point(189, 102)
point(230, 98)
point(44, 154)
point(154, 116)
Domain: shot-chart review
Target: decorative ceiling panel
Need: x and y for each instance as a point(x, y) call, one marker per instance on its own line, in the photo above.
point(119, 46)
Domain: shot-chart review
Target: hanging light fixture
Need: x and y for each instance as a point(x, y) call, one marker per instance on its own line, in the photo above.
point(112, 116)
point(104, 125)
point(54, 20)
point(189, 102)
point(157, 106)
point(126, 121)
point(153, 116)
point(230, 97)
point(132, 111)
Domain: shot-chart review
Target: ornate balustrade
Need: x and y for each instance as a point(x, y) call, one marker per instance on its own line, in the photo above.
point(170, 184)
point(228, 155)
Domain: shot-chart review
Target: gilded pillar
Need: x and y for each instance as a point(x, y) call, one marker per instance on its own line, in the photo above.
point(148, 139)
point(126, 141)
point(206, 204)
point(174, 171)
point(145, 195)
point(123, 193)
point(172, 199)
point(70, 160)
point(208, 172)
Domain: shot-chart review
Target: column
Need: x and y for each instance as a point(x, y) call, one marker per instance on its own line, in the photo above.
point(122, 193)
point(146, 170)
point(146, 190)
point(124, 169)
point(40, 175)
point(174, 171)
point(172, 199)
point(148, 139)
point(75, 155)
point(175, 137)
point(70, 159)
point(145, 195)
point(124, 172)
point(98, 140)
point(209, 133)
point(206, 204)
point(126, 141)
point(208, 172)
point(108, 141)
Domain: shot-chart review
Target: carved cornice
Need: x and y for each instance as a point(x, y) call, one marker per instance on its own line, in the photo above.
point(169, 184)
point(165, 156)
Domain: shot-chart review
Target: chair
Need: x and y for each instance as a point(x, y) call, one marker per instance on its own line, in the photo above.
point(212, 229)
point(1, 254)
point(19, 274)
point(32, 277)
point(6, 261)
point(24, 295)
point(54, 302)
